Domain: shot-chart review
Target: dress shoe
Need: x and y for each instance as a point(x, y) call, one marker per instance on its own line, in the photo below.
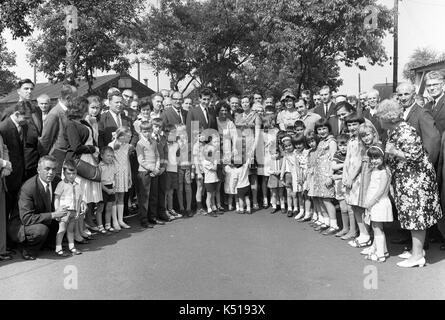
point(5, 257)
point(212, 214)
point(62, 254)
point(406, 264)
point(274, 210)
point(27, 256)
point(400, 241)
point(165, 218)
point(407, 254)
point(124, 225)
point(189, 213)
point(10, 251)
point(83, 241)
point(330, 231)
point(157, 221)
point(146, 225)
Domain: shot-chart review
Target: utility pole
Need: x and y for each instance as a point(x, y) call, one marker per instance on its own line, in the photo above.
point(70, 26)
point(139, 69)
point(396, 46)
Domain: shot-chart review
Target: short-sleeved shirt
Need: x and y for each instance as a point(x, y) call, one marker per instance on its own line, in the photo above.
point(70, 194)
point(108, 173)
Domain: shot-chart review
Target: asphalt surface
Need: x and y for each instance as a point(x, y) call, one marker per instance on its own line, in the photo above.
point(255, 257)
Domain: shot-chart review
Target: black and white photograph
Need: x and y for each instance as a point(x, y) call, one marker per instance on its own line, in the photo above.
point(222, 154)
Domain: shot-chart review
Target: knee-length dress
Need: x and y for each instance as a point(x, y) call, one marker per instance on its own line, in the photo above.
point(416, 193)
point(302, 158)
point(355, 159)
point(381, 211)
point(308, 184)
point(323, 170)
point(123, 174)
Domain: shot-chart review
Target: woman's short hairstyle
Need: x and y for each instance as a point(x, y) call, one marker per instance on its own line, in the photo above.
point(323, 122)
point(354, 117)
point(222, 104)
point(389, 110)
point(365, 128)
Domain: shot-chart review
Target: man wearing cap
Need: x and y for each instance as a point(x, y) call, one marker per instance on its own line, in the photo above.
point(287, 117)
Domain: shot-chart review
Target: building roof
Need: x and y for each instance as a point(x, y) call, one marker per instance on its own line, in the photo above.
point(100, 84)
point(439, 64)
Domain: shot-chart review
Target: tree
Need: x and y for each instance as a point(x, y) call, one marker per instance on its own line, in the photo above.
point(420, 57)
point(205, 41)
point(7, 60)
point(101, 25)
point(13, 16)
point(241, 42)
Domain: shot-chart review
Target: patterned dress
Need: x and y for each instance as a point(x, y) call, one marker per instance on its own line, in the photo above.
point(416, 193)
point(123, 173)
point(302, 159)
point(353, 162)
point(311, 167)
point(323, 170)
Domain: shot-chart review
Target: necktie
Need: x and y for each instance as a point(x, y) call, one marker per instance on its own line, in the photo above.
point(206, 113)
point(20, 130)
point(326, 109)
point(119, 122)
point(48, 194)
point(180, 115)
point(74, 198)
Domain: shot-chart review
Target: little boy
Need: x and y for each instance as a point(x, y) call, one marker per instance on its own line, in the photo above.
point(149, 166)
point(172, 170)
point(184, 173)
point(68, 194)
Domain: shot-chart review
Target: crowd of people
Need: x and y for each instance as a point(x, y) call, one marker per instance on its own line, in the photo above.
point(80, 167)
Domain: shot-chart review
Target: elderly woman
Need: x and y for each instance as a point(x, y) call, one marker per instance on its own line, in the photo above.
point(248, 124)
point(414, 180)
point(287, 117)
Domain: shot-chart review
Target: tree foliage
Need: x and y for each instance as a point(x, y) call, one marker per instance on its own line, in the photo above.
point(101, 24)
point(13, 15)
point(420, 57)
point(264, 43)
point(7, 60)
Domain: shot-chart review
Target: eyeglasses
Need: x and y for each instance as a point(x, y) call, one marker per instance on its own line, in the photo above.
point(434, 85)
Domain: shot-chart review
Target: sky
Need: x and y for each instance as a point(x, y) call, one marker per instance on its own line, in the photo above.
point(421, 24)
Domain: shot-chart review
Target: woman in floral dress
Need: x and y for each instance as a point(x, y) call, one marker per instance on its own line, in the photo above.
point(416, 193)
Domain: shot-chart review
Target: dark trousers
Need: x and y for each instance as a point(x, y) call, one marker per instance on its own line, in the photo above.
point(3, 220)
point(38, 235)
point(143, 183)
point(157, 196)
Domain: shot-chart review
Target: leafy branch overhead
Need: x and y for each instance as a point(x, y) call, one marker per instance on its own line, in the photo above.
point(222, 43)
point(96, 43)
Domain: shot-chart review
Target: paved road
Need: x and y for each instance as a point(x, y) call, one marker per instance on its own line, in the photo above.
point(259, 256)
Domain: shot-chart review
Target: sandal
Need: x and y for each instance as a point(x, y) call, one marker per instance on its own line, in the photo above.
point(75, 251)
point(356, 244)
point(101, 229)
point(109, 228)
point(375, 258)
point(62, 253)
point(349, 236)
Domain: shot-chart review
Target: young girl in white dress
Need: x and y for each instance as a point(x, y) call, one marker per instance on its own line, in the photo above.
point(377, 204)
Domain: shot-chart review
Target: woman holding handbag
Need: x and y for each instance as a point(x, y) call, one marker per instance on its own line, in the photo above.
point(82, 148)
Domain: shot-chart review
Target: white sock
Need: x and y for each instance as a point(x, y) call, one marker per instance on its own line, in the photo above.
point(333, 223)
point(71, 246)
point(58, 248)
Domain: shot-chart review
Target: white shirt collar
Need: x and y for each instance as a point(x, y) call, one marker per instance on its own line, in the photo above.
point(407, 110)
point(44, 184)
point(15, 123)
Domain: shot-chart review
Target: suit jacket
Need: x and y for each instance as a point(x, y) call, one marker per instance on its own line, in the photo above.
point(170, 116)
point(53, 134)
point(107, 126)
point(424, 124)
point(335, 127)
point(34, 131)
point(32, 208)
point(320, 110)
point(16, 149)
point(438, 113)
point(195, 115)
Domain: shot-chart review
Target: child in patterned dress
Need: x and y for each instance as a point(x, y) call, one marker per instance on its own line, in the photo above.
point(122, 149)
point(289, 175)
point(301, 153)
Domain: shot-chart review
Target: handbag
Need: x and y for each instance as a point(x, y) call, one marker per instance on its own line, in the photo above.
point(87, 170)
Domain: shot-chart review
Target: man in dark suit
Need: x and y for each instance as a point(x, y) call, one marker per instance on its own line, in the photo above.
point(434, 83)
point(34, 121)
point(327, 108)
point(421, 120)
point(372, 101)
point(33, 221)
point(109, 122)
point(202, 117)
point(175, 115)
point(53, 140)
point(13, 130)
point(113, 119)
